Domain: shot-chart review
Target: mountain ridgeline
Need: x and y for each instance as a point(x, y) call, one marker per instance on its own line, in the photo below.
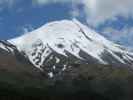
point(65, 59)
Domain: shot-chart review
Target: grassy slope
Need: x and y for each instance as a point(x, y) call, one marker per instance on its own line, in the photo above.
point(21, 81)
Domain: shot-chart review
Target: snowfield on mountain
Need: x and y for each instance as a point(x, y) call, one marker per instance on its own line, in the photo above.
point(58, 44)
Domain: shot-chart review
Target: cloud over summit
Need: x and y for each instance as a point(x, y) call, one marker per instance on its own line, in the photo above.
point(98, 11)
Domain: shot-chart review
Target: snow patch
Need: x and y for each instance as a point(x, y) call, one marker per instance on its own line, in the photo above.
point(51, 75)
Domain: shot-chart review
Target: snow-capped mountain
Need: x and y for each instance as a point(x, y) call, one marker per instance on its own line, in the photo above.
point(58, 45)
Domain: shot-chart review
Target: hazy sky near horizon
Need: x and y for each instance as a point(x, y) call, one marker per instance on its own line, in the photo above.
point(111, 18)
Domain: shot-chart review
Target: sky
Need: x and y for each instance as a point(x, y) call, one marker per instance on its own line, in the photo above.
point(111, 18)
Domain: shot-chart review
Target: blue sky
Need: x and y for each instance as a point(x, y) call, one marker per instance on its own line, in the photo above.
point(111, 18)
point(15, 20)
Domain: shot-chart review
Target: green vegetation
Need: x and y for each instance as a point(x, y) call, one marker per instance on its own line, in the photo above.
point(94, 82)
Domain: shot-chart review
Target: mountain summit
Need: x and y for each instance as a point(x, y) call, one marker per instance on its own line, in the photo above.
point(59, 45)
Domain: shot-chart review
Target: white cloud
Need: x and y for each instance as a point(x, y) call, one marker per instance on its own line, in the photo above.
point(98, 11)
point(7, 4)
point(27, 28)
point(124, 36)
point(44, 2)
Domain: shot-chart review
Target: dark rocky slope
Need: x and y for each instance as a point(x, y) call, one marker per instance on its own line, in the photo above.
point(19, 80)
